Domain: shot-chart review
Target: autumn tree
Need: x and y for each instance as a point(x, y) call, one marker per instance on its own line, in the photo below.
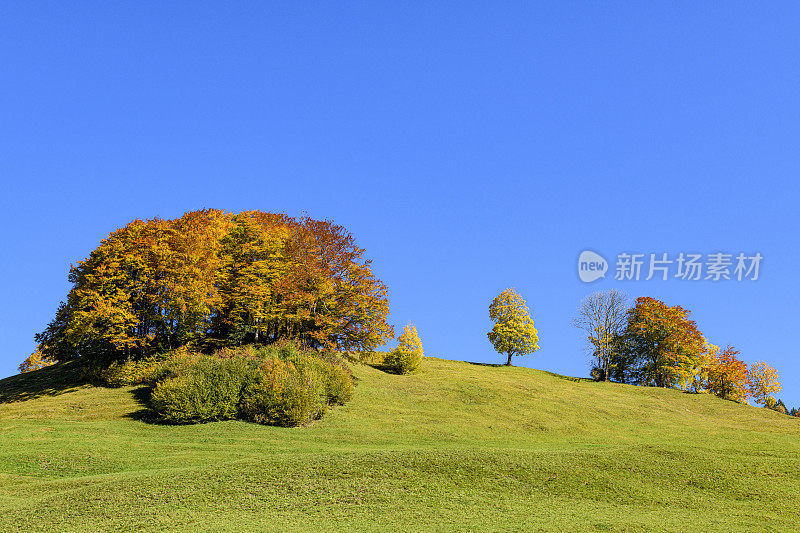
point(727, 375)
point(330, 297)
point(513, 332)
point(694, 372)
point(408, 355)
point(660, 345)
point(602, 315)
point(252, 263)
point(213, 278)
point(35, 361)
point(778, 406)
point(762, 382)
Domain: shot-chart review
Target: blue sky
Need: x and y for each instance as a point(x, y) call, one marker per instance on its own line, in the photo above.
point(468, 146)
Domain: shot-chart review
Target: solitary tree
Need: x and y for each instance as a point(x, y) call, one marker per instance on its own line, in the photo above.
point(513, 332)
point(407, 357)
point(762, 380)
point(603, 316)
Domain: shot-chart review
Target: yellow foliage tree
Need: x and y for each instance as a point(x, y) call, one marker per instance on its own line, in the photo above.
point(763, 382)
point(407, 357)
point(212, 278)
point(513, 332)
point(694, 370)
point(35, 361)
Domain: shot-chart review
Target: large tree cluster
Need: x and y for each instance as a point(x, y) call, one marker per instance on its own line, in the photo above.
point(212, 278)
point(653, 344)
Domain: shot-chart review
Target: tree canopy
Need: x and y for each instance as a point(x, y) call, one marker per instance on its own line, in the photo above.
point(513, 332)
point(213, 278)
point(660, 345)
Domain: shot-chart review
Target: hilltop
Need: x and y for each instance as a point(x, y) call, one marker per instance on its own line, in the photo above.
point(459, 446)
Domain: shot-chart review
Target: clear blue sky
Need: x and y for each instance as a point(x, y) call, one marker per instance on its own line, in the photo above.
point(468, 146)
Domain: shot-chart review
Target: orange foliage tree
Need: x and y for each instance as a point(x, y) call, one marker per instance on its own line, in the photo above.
point(211, 278)
point(660, 345)
point(727, 375)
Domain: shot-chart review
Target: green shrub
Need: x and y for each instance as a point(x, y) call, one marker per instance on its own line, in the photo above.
point(407, 357)
point(336, 377)
point(276, 385)
point(284, 395)
point(119, 374)
point(173, 364)
point(146, 371)
point(211, 390)
point(339, 385)
point(372, 357)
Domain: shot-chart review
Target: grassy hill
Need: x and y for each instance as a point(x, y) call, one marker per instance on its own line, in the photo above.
point(458, 447)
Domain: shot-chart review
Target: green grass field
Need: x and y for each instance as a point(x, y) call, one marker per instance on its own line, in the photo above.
point(457, 447)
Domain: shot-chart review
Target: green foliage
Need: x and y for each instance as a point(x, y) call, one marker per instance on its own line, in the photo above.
point(334, 375)
point(284, 395)
point(277, 385)
point(558, 455)
point(120, 374)
point(338, 384)
point(371, 357)
point(211, 390)
point(147, 371)
point(407, 357)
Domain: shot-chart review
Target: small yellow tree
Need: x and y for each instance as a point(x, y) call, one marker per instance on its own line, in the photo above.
point(694, 370)
point(407, 357)
point(35, 361)
point(762, 380)
point(513, 332)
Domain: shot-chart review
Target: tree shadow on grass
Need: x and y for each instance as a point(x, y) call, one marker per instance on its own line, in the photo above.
point(52, 380)
point(386, 369)
point(553, 374)
point(145, 414)
point(569, 378)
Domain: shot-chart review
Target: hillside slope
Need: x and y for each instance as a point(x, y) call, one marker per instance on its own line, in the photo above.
point(458, 447)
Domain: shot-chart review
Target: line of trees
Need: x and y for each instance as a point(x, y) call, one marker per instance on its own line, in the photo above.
point(653, 344)
point(211, 279)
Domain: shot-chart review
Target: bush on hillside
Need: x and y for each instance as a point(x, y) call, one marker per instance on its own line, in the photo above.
point(269, 385)
point(372, 357)
point(336, 377)
point(120, 374)
point(284, 395)
point(407, 357)
point(210, 390)
point(148, 371)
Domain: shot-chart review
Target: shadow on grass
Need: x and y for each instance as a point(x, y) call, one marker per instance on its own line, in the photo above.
point(48, 381)
point(145, 414)
point(384, 368)
point(553, 374)
point(569, 378)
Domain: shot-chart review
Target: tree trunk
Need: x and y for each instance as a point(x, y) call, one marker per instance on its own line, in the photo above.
point(508, 363)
